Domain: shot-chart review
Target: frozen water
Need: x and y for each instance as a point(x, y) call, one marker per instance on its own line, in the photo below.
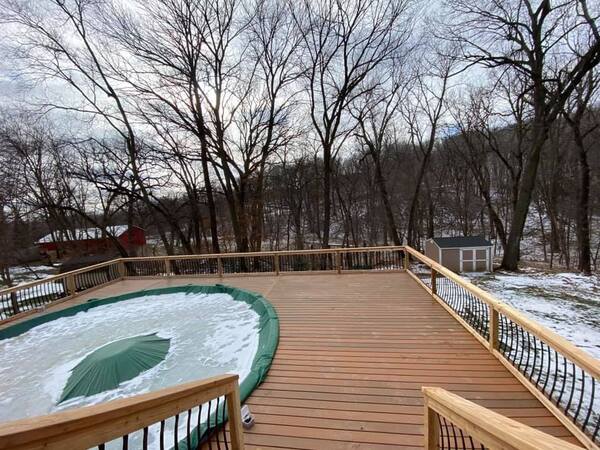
point(210, 335)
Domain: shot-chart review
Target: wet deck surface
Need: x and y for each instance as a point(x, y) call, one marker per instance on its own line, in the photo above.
point(354, 351)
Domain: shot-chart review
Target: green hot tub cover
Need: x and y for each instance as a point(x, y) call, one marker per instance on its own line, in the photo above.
point(114, 363)
point(267, 341)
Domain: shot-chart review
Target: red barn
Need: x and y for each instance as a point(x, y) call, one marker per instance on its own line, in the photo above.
point(86, 241)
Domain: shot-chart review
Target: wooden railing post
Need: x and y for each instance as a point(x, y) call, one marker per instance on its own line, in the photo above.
point(432, 428)
point(220, 266)
point(494, 339)
point(167, 267)
point(276, 264)
point(338, 261)
point(488, 428)
point(406, 260)
point(433, 282)
point(14, 303)
point(236, 431)
point(71, 288)
point(122, 269)
point(93, 426)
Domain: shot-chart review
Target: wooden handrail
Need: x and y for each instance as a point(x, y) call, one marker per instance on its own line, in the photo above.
point(90, 426)
point(59, 277)
point(583, 359)
point(65, 275)
point(319, 251)
point(491, 429)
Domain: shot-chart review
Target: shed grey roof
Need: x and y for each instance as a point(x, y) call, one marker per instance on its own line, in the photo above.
point(466, 241)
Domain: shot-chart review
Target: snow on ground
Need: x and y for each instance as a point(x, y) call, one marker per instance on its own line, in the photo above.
point(25, 274)
point(210, 335)
point(567, 303)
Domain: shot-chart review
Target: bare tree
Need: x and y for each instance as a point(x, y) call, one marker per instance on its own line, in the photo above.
point(530, 38)
point(61, 40)
point(344, 43)
point(423, 113)
point(375, 114)
point(576, 111)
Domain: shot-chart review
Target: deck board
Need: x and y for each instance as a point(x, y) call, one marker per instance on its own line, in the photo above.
point(354, 351)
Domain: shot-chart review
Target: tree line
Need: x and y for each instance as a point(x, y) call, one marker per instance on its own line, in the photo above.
point(250, 124)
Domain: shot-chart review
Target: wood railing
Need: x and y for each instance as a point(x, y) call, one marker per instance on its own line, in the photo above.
point(562, 376)
point(451, 422)
point(294, 261)
point(170, 418)
point(31, 297)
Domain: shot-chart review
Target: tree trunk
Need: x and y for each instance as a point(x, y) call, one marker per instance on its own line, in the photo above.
point(326, 195)
point(411, 232)
point(583, 206)
point(510, 261)
point(210, 200)
point(389, 214)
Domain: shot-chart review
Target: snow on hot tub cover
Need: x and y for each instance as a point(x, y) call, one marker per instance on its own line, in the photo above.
point(268, 323)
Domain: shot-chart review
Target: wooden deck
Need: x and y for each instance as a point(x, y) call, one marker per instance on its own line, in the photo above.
point(354, 351)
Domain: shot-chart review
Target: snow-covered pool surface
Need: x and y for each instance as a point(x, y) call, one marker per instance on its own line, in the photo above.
point(210, 334)
point(567, 303)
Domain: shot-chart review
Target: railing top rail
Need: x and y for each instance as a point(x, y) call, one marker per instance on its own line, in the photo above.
point(488, 427)
point(577, 355)
point(60, 276)
point(93, 425)
point(319, 251)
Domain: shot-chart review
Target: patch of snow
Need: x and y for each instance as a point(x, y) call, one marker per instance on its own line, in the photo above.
point(24, 274)
point(567, 303)
point(210, 335)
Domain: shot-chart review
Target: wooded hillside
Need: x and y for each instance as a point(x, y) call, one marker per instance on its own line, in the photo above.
point(273, 124)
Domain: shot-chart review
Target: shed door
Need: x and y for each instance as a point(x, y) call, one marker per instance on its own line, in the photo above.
point(473, 260)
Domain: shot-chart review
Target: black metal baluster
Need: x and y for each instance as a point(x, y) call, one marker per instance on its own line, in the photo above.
point(563, 380)
point(217, 424)
point(462, 437)
point(208, 432)
point(176, 431)
point(536, 367)
point(162, 435)
point(471, 441)
point(528, 356)
point(441, 427)
point(580, 402)
point(572, 389)
point(447, 431)
point(199, 426)
point(125, 445)
point(522, 348)
point(595, 433)
point(223, 422)
point(556, 373)
point(145, 439)
point(548, 370)
point(188, 437)
point(454, 436)
point(591, 406)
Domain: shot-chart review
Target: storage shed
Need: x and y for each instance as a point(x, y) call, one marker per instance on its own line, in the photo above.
point(461, 254)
